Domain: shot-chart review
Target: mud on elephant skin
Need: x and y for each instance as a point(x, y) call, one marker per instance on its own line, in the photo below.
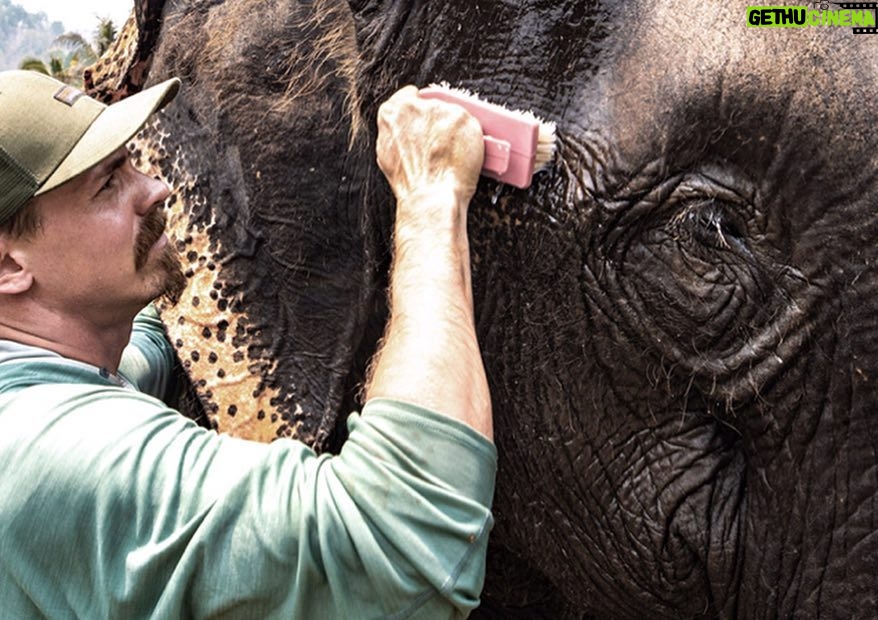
point(677, 320)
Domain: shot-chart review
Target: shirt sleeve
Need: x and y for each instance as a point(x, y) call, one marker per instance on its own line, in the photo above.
point(148, 360)
point(121, 508)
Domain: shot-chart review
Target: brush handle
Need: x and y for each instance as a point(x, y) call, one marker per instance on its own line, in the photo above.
point(497, 154)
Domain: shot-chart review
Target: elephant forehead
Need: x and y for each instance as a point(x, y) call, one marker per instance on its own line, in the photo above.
point(682, 54)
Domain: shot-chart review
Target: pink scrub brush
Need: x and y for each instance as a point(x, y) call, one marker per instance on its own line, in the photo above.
point(517, 144)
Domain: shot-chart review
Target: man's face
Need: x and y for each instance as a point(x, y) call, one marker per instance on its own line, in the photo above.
point(100, 250)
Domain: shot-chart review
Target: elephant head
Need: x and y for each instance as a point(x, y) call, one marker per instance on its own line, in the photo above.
point(676, 319)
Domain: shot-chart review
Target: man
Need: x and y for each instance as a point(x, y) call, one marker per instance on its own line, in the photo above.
point(114, 506)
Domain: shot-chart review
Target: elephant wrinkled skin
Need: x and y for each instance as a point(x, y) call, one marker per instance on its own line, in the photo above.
point(677, 319)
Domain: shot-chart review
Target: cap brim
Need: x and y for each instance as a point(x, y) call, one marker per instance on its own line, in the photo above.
point(115, 126)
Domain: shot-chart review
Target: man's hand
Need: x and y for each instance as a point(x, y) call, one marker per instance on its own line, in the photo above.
point(431, 153)
point(424, 143)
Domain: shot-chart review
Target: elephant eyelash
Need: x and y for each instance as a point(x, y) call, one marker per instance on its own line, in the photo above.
point(709, 222)
point(705, 209)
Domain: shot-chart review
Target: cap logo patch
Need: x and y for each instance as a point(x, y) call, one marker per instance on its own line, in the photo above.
point(68, 95)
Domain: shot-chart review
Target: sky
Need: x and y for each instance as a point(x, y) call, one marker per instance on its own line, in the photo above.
point(80, 15)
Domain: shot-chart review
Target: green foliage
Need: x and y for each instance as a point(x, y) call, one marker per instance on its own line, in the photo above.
point(105, 35)
point(34, 64)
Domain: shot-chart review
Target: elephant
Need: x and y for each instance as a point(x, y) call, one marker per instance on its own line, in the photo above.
point(676, 318)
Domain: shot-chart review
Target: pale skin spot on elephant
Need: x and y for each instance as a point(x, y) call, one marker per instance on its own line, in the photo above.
point(209, 335)
point(108, 72)
point(225, 379)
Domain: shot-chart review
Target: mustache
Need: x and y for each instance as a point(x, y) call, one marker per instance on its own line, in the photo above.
point(152, 227)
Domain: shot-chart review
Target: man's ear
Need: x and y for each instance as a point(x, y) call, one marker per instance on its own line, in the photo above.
point(15, 277)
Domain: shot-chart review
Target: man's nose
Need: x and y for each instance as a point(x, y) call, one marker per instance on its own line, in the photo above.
point(155, 193)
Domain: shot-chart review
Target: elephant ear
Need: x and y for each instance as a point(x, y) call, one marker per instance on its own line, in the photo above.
point(271, 168)
point(124, 67)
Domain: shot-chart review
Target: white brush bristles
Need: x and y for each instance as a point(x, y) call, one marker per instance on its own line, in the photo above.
point(545, 144)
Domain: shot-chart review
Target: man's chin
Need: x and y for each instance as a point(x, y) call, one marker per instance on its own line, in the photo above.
point(174, 281)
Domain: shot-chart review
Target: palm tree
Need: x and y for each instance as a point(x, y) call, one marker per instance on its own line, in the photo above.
point(104, 35)
point(58, 67)
point(68, 63)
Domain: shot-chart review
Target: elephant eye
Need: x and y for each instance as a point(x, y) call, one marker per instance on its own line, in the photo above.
point(692, 266)
point(711, 223)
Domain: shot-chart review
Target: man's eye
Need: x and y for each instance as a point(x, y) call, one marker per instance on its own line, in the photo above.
point(109, 184)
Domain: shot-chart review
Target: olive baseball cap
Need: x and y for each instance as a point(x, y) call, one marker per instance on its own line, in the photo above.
point(50, 132)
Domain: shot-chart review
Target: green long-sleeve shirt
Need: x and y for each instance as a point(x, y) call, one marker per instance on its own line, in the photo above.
point(114, 506)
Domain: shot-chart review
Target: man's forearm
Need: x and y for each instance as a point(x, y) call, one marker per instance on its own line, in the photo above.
point(430, 355)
